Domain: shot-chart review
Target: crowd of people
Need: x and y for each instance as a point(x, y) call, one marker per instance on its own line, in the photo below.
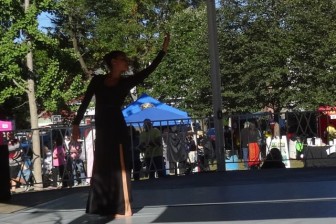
point(19, 161)
point(155, 152)
point(62, 165)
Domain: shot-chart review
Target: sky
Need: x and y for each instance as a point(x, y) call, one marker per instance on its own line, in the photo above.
point(44, 20)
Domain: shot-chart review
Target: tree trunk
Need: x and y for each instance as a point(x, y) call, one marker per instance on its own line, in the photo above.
point(37, 167)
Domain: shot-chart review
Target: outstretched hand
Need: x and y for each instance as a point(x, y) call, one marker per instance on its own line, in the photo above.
point(166, 42)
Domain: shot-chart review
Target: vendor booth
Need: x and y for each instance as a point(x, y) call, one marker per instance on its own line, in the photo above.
point(161, 114)
point(146, 107)
point(4, 166)
point(327, 123)
point(6, 126)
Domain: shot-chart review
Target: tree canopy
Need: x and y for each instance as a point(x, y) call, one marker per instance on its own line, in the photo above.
point(277, 54)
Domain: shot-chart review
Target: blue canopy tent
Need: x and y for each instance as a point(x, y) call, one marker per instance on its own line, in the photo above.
point(160, 113)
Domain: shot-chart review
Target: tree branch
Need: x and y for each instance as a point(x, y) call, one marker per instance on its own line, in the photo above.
point(20, 86)
point(76, 49)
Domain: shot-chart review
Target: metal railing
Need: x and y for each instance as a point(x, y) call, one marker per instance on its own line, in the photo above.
point(195, 149)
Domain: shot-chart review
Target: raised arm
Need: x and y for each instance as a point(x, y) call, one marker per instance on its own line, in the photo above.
point(140, 76)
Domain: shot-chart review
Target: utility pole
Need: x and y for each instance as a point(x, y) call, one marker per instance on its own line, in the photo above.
point(216, 85)
point(37, 167)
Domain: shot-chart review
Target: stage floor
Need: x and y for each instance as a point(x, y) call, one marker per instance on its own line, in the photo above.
point(258, 196)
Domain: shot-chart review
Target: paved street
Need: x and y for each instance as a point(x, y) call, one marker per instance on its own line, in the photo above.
point(259, 196)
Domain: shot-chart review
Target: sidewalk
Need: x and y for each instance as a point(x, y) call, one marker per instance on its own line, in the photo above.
point(258, 196)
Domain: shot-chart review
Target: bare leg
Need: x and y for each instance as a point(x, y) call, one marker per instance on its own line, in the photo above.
point(128, 209)
point(13, 184)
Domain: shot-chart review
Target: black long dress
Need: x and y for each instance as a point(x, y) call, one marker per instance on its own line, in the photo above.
point(110, 188)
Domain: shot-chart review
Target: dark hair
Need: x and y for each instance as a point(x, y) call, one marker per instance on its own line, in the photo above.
point(147, 120)
point(147, 124)
point(109, 56)
point(275, 154)
point(58, 141)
